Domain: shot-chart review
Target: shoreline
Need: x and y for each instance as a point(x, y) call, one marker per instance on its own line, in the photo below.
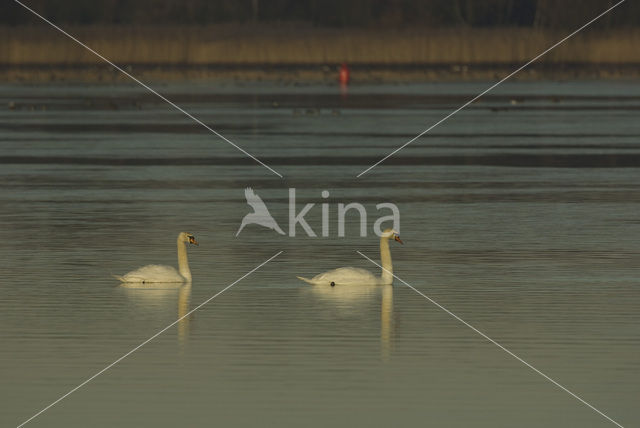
point(297, 54)
point(314, 73)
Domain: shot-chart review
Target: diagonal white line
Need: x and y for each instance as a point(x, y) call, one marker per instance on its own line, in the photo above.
point(162, 97)
point(150, 339)
point(494, 342)
point(490, 88)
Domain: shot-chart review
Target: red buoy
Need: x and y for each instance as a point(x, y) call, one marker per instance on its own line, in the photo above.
point(343, 75)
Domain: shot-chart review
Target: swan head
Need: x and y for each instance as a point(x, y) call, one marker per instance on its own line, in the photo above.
point(392, 234)
point(188, 238)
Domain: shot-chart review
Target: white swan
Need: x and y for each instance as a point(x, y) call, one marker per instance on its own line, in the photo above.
point(164, 274)
point(356, 276)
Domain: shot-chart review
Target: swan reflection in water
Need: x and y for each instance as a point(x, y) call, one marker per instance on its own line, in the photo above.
point(349, 286)
point(386, 320)
point(156, 285)
point(352, 299)
point(160, 298)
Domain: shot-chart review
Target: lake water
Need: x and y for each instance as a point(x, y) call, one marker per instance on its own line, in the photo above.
point(521, 215)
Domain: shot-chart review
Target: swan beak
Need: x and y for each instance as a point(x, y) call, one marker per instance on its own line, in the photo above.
point(397, 239)
point(193, 241)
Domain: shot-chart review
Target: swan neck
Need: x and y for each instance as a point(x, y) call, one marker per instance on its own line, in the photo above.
point(183, 262)
point(385, 258)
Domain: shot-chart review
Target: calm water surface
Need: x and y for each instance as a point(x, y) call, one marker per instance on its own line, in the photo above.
point(521, 215)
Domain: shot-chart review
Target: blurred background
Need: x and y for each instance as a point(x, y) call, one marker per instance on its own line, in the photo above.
point(332, 13)
point(388, 40)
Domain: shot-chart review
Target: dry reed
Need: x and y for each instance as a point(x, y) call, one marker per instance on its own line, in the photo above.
point(38, 45)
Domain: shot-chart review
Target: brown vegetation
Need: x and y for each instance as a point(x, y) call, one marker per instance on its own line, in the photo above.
point(239, 45)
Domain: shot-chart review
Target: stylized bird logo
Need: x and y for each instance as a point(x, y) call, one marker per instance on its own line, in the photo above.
point(260, 214)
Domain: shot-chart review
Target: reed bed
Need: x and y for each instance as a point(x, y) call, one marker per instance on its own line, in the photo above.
point(223, 44)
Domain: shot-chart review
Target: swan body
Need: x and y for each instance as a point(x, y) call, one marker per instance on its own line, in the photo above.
point(344, 276)
point(164, 274)
point(153, 274)
point(357, 276)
